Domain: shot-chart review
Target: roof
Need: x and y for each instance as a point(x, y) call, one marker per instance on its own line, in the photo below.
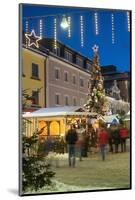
point(58, 111)
point(111, 119)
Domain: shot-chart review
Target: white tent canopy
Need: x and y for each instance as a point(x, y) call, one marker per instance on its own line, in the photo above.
point(110, 119)
point(58, 111)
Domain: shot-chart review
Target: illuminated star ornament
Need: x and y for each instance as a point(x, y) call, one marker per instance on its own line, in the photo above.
point(95, 48)
point(33, 39)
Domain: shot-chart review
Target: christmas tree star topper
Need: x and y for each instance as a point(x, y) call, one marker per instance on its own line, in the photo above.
point(95, 48)
point(33, 39)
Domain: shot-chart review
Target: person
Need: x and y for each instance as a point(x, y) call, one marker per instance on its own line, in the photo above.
point(102, 140)
point(115, 138)
point(80, 141)
point(61, 145)
point(71, 139)
point(110, 139)
point(123, 136)
point(49, 144)
point(86, 144)
point(92, 138)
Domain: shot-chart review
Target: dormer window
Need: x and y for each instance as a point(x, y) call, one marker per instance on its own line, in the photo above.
point(68, 56)
point(88, 66)
point(56, 51)
point(79, 61)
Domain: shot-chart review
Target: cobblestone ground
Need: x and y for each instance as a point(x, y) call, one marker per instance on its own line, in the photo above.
point(92, 172)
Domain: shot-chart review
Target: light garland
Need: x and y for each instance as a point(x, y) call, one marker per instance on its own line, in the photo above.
point(96, 23)
point(113, 28)
point(55, 33)
point(69, 27)
point(128, 21)
point(41, 28)
point(82, 31)
point(26, 31)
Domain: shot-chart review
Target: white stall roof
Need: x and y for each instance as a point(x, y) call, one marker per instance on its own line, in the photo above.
point(111, 118)
point(58, 111)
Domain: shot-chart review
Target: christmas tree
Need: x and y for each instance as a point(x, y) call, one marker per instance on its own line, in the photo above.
point(36, 172)
point(97, 101)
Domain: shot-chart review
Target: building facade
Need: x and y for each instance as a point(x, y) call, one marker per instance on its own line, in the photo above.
point(111, 75)
point(54, 80)
point(33, 79)
point(66, 84)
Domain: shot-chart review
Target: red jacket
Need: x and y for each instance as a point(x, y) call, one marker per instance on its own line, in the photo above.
point(102, 137)
point(123, 132)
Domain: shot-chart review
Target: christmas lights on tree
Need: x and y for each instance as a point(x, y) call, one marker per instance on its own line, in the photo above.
point(97, 101)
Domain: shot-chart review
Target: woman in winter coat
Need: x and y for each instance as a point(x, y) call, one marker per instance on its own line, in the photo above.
point(123, 136)
point(102, 140)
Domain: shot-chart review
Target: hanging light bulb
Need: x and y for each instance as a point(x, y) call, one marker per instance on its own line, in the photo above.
point(64, 22)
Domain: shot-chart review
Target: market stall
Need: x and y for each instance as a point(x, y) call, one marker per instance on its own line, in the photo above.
point(54, 121)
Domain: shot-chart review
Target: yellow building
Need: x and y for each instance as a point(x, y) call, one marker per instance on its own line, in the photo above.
point(33, 77)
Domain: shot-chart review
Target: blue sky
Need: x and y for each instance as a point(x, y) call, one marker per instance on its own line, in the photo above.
point(109, 54)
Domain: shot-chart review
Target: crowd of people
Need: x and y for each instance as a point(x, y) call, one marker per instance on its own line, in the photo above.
point(78, 142)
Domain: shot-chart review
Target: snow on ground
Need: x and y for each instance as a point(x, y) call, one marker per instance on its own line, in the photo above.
point(57, 186)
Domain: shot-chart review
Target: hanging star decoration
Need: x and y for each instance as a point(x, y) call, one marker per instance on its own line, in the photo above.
point(33, 39)
point(95, 48)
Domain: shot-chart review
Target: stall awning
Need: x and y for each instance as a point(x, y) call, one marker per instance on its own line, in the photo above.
point(59, 111)
point(111, 119)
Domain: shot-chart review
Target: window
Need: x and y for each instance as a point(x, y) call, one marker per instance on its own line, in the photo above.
point(57, 99)
point(35, 97)
point(68, 56)
point(74, 79)
point(66, 76)
point(74, 101)
point(88, 66)
point(56, 51)
point(81, 102)
point(34, 70)
point(81, 82)
point(57, 73)
point(79, 61)
point(66, 101)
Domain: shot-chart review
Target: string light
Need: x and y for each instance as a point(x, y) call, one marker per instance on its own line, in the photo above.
point(82, 32)
point(96, 23)
point(69, 27)
point(41, 28)
point(113, 28)
point(55, 33)
point(128, 21)
point(26, 31)
point(33, 39)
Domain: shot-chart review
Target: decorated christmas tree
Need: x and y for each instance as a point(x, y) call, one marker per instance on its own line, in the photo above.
point(97, 101)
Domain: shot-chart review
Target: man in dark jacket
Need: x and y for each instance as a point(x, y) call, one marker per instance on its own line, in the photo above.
point(71, 139)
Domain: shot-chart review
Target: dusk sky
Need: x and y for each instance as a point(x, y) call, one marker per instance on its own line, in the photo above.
point(117, 54)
